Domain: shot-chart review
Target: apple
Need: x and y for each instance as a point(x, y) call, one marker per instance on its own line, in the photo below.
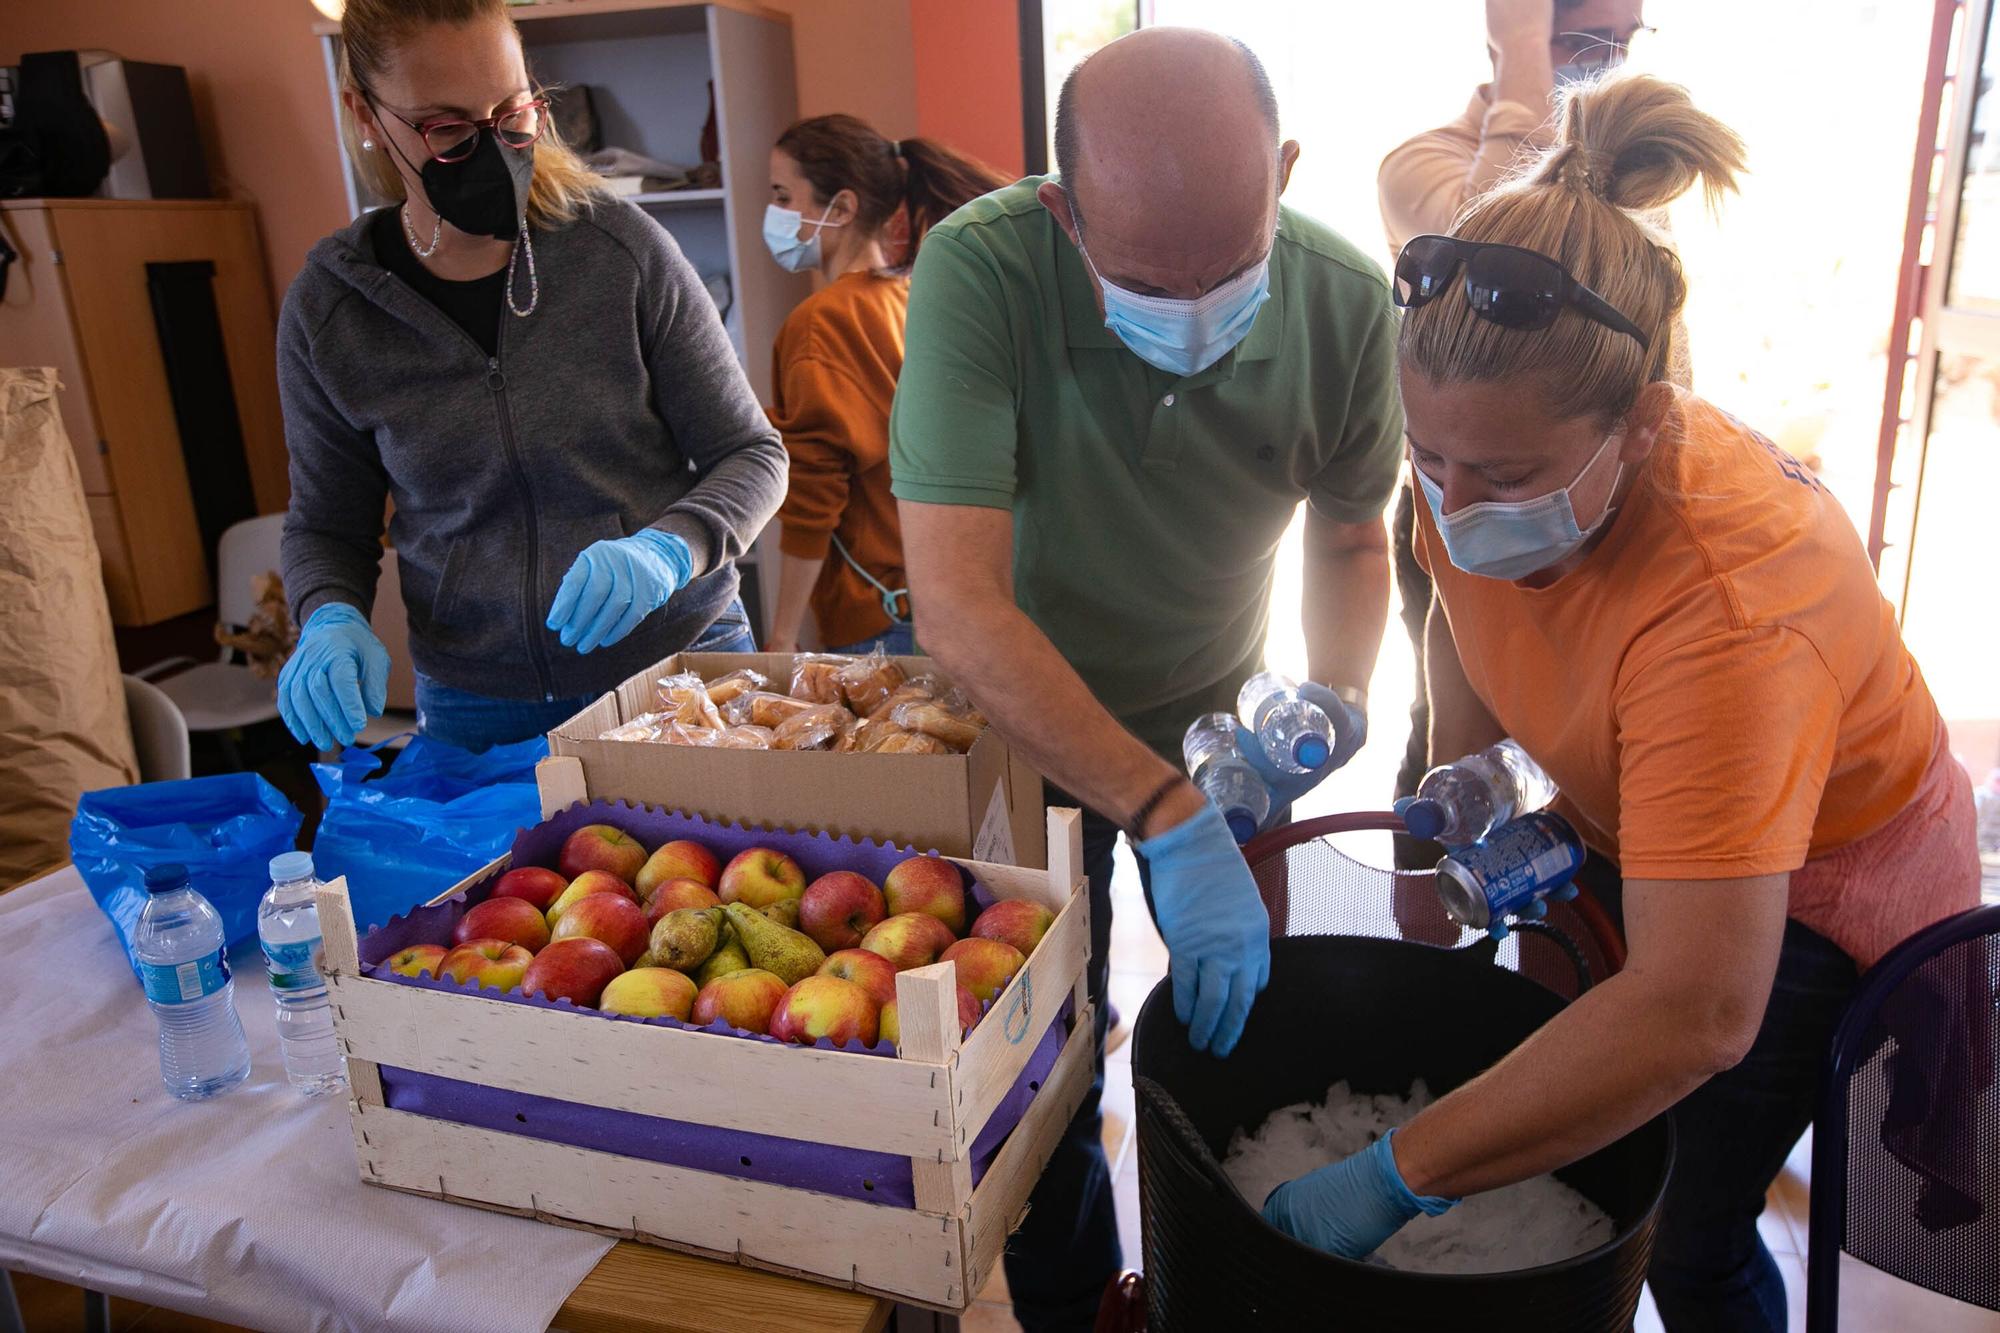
point(512, 919)
point(589, 882)
point(610, 917)
point(649, 992)
point(822, 1006)
point(743, 999)
point(537, 884)
point(927, 884)
point(417, 960)
point(601, 847)
point(870, 971)
point(889, 1027)
point(495, 963)
point(1014, 921)
point(913, 939)
point(675, 894)
point(680, 859)
point(575, 969)
point(838, 909)
point(761, 876)
point(984, 966)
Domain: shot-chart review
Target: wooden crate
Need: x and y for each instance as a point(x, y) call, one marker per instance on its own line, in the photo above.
point(929, 1105)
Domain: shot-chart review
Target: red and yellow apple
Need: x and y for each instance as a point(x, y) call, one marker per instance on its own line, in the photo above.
point(870, 971)
point(679, 859)
point(889, 1025)
point(512, 919)
point(823, 1006)
point(675, 894)
point(498, 964)
point(584, 885)
point(984, 966)
point(743, 999)
point(601, 847)
point(417, 960)
point(927, 884)
point(575, 969)
point(761, 876)
point(649, 992)
point(537, 885)
point(913, 939)
point(1014, 921)
point(610, 917)
point(838, 909)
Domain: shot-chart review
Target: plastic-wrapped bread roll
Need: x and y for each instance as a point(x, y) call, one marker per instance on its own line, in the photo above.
point(744, 738)
point(815, 729)
point(735, 685)
point(816, 676)
point(865, 734)
point(764, 709)
point(933, 720)
point(916, 690)
point(913, 742)
point(868, 682)
point(645, 727)
point(684, 698)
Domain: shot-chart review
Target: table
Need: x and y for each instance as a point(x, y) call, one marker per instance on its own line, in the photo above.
point(108, 1183)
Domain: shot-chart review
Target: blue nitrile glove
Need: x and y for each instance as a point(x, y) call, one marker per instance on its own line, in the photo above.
point(1352, 1206)
point(1217, 932)
point(616, 584)
point(335, 680)
point(1535, 910)
point(1350, 732)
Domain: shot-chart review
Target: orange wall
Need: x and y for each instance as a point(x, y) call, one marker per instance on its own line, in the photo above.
point(968, 76)
point(854, 56)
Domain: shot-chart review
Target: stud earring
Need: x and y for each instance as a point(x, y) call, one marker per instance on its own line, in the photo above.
point(368, 144)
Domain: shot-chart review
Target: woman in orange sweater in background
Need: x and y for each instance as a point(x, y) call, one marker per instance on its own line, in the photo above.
point(854, 206)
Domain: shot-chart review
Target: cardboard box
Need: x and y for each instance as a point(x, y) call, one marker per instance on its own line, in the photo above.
point(985, 804)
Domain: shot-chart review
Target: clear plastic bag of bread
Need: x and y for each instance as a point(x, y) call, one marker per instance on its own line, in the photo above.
point(815, 729)
point(865, 735)
point(762, 708)
point(645, 727)
point(913, 742)
point(816, 676)
point(934, 718)
point(915, 690)
point(684, 699)
point(867, 682)
point(735, 685)
point(744, 738)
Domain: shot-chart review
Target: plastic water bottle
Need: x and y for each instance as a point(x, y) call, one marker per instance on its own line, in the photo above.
point(1296, 734)
point(185, 969)
point(1218, 769)
point(1460, 803)
point(288, 928)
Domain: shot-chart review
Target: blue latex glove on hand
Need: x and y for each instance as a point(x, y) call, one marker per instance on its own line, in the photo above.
point(614, 585)
point(335, 680)
point(1350, 732)
point(1217, 932)
point(1352, 1206)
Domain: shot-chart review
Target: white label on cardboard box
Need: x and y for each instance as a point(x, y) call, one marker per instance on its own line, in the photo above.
point(995, 842)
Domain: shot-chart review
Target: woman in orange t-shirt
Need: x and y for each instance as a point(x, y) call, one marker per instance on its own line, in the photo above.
point(854, 207)
point(1678, 622)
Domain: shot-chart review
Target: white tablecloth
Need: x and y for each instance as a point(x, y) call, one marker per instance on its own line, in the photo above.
point(247, 1207)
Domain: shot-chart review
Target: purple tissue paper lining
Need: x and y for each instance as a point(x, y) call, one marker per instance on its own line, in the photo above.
point(871, 1177)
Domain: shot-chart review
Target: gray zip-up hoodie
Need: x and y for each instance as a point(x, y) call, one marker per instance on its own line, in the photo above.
point(616, 405)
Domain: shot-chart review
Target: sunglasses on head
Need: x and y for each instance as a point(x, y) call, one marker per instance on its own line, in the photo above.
point(1505, 284)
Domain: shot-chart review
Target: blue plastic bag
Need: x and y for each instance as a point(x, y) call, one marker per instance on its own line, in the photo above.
point(224, 829)
point(435, 817)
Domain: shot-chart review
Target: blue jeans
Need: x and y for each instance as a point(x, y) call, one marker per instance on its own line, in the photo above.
point(480, 721)
point(899, 640)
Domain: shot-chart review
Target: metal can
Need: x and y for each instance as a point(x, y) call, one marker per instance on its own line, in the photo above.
point(1512, 867)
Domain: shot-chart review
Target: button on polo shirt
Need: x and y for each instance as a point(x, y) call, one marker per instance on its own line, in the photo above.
point(1148, 507)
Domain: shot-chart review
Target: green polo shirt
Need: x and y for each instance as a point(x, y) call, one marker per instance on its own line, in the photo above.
point(1147, 507)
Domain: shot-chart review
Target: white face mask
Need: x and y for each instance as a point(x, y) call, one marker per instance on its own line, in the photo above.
point(781, 237)
point(1511, 540)
point(1184, 336)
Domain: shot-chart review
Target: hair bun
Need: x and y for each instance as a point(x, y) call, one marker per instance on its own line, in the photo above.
point(1639, 143)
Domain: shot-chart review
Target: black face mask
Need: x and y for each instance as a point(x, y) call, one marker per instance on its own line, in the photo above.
point(487, 193)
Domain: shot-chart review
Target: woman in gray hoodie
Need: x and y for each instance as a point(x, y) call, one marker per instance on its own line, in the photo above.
point(536, 378)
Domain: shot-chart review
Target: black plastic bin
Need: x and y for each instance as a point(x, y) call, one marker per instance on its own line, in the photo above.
point(1378, 1013)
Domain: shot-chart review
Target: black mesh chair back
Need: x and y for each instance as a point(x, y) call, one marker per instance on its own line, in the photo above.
point(1906, 1145)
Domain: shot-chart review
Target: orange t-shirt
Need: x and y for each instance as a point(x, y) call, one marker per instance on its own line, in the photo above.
point(835, 368)
point(1720, 688)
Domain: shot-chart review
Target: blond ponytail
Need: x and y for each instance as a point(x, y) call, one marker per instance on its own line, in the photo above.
point(1631, 143)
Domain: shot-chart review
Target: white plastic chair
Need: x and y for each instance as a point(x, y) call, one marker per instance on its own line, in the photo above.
point(159, 734)
point(223, 695)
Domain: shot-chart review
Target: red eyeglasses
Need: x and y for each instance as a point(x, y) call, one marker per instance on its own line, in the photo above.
point(454, 140)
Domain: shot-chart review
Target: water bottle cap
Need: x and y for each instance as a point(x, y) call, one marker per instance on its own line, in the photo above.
point(288, 866)
point(1424, 818)
point(1241, 826)
point(166, 878)
point(1311, 751)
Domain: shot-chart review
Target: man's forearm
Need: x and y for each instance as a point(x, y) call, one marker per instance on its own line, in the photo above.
point(796, 578)
point(1346, 601)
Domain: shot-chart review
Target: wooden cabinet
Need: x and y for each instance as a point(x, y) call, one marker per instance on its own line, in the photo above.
point(79, 300)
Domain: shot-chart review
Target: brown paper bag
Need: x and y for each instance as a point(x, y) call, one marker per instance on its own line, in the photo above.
point(63, 728)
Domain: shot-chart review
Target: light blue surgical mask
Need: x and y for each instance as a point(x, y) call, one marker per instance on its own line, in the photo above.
point(1185, 337)
point(1511, 540)
point(781, 237)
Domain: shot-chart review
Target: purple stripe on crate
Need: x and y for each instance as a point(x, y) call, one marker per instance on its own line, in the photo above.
point(871, 1177)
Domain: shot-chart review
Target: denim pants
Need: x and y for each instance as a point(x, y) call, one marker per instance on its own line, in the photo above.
point(899, 640)
point(1067, 1250)
point(480, 721)
point(1711, 1271)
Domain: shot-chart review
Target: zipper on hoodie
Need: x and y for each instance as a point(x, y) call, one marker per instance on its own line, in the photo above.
point(496, 381)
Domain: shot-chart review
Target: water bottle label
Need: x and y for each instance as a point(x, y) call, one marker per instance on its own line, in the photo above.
point(185, 983)
point(292, 964)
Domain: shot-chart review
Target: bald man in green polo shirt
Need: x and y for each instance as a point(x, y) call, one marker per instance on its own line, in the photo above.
point(1119, 386)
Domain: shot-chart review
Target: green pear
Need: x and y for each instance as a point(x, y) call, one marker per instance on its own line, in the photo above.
point(728, 957)
point(779, 950)
point(684, 938)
